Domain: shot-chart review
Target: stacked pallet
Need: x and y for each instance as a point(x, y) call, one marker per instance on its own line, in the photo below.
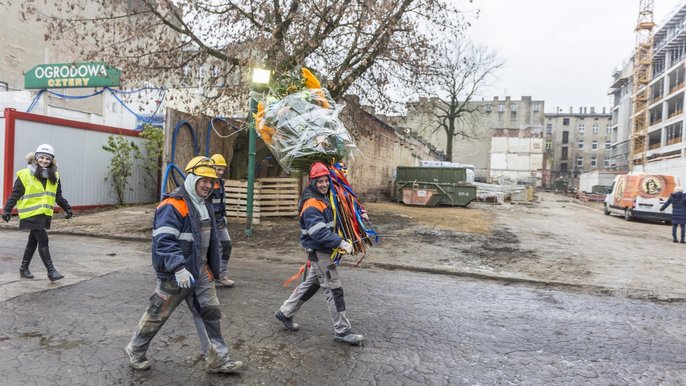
point(273, 197)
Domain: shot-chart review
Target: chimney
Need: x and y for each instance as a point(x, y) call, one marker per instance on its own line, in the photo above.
point(603, 110)
point(495, 99)
point(507, 98)
point(592, 110)
point(581, 110)
point(571, 110)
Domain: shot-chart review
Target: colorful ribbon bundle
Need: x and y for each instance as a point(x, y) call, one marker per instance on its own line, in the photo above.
point(351, 222)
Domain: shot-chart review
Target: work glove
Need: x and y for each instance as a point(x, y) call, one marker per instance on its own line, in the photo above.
point(6, 217)
point(184, 278)
point(68, 214)
point(364, 215)
point(346, 247)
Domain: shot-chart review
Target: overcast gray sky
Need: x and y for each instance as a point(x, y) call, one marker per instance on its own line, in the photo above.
point(561, 51)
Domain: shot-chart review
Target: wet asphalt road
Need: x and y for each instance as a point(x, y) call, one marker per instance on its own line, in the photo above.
point(420, 329)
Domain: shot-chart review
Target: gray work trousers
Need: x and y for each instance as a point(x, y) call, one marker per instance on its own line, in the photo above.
point(204, 306)
point(322, 274)
point(225, 241)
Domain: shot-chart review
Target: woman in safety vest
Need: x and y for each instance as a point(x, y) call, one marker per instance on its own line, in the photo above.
point(35, 192)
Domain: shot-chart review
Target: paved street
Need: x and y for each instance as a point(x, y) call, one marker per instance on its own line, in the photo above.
point(420, 329)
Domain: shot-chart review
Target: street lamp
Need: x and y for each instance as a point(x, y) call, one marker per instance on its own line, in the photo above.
point(260, 79)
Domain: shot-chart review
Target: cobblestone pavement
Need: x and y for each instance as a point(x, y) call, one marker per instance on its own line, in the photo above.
point(420, 329)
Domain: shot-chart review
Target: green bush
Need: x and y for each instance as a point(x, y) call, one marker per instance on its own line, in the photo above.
point(151, 158)
point(122, 164)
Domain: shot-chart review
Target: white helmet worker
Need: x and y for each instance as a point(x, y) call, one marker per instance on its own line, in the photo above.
point(45, 149)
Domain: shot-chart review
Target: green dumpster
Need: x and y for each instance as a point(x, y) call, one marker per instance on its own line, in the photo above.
point(447, 186)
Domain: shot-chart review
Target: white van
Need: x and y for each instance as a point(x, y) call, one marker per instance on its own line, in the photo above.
point(640, 195)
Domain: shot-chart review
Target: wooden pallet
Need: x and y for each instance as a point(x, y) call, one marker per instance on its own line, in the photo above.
point(272, 197)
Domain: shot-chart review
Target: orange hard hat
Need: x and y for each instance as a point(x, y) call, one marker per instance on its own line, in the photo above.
point(318, 169)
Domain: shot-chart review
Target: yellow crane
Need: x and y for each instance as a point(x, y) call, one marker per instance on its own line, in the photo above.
point(642, 73)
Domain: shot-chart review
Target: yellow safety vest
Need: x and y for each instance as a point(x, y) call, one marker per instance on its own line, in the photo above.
point(36, 199)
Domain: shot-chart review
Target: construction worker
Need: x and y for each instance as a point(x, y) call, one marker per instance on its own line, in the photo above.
point(219, 206)
point(186, 256)
point(35, 192)
point(320, 240)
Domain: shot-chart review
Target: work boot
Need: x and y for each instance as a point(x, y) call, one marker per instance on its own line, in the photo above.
point(287, 322)
point(44, 253)
point(225, 281)
point(139, 364)
point(228, 367)
point(349, 337)
point(25, 261)
point(675, 241)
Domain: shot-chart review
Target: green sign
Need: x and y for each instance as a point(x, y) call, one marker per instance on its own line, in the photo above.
point(71, 75)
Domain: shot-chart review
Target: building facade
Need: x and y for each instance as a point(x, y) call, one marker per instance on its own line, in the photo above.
point(577, 143)
point(497, 114)
point(620, 93)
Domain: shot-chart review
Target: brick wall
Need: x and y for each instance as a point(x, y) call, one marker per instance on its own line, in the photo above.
point(382, 149)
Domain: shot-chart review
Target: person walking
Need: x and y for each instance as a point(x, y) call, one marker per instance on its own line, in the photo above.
point(317, 236)
point(35, 192)
point(186, 256)
point(219, 206)
point(678, 201)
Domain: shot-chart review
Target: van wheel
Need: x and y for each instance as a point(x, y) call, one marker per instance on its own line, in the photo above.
point(605, 210)
point(627, 214)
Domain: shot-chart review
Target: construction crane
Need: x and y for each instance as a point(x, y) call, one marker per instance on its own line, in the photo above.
point(642, 73)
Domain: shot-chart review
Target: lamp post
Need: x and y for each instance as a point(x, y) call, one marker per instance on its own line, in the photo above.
point(260, 79)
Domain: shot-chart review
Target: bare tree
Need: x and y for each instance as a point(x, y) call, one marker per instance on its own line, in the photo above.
point(359, 46)
point(464, 71)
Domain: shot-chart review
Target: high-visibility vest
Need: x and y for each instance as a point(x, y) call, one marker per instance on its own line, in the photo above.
point(36, 199)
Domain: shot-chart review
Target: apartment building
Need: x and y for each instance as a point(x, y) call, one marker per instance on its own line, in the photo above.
point(664, 149)
point(502, 114)
point(620, 94)
point(577, 142)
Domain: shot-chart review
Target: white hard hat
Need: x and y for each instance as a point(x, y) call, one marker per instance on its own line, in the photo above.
point(45, 149)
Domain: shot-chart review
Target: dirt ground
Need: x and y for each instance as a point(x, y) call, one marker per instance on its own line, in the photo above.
point(557, 241)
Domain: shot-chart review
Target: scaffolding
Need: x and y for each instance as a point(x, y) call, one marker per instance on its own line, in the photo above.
point(643, 58)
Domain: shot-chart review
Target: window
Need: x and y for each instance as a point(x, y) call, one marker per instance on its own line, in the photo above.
point(488, 108)
point(580, 162)
point(595, 128)
point(537, 107)
point(214, 71)
point(201, 73)
point(549, 128)
point(548, 143)
point(501, 108)
point(608, 145)
point(563, 168)
point(608, 129)
point(594, 145)
point(606, 163)
point(594, 162)
point(581, 144)
point(565, 137)
point(582, 127)
point(565, 121)
point(187, 70)
point(513, 108)
point(564, 153)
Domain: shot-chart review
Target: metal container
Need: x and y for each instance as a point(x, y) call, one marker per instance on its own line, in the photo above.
point(448, 185)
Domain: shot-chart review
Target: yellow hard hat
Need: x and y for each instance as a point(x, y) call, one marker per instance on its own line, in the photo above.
point(201, 166)
point(219, 160)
